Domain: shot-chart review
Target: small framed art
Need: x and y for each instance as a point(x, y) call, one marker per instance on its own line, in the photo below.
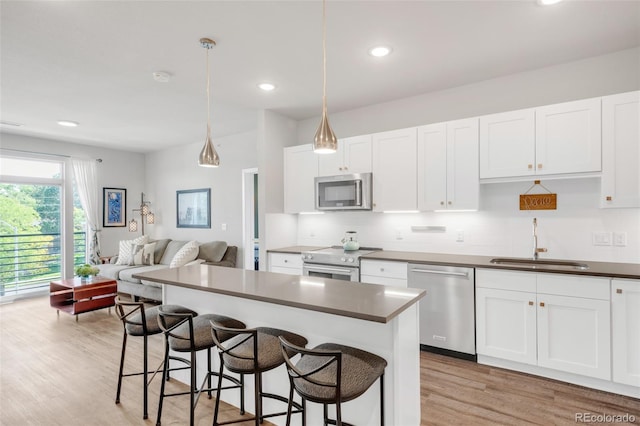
point(114, 207)
point(193, 208)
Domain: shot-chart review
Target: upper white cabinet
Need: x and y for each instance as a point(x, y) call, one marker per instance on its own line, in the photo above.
point(568, 137)
point(621, 150)
point(395, 170)
point(448, 166)
point(353, 156)
point(507, 144)
point(550, 140)
point(625, 317)
point(300, 168)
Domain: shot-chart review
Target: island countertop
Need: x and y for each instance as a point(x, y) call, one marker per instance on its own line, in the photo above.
point(369, 302)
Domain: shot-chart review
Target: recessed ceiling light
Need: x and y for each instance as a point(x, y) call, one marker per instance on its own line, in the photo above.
point(379, 51)
point(267, 87)
point(547, 2)
point(66, 123)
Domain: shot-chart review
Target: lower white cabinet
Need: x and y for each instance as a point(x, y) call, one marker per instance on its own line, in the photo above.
point(383, 272)
point(285, 263)
point(556, 321)
point(625, 316)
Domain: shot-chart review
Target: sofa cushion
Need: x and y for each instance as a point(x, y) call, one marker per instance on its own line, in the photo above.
point(142, 254)
point(161, 246)
point(172, 248)
point(111, 270)
point(124, 252)
point(212, 251)
point(186, 254)
point(126, 275)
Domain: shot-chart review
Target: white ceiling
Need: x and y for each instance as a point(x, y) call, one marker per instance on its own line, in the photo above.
point(92, 61)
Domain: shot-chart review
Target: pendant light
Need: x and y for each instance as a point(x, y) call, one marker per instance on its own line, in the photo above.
point(325, 141)
point(208, 156)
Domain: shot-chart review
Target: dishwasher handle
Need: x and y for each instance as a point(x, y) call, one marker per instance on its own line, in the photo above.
point(435, 272)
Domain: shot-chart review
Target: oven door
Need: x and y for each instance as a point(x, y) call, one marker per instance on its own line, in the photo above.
point(332, 272)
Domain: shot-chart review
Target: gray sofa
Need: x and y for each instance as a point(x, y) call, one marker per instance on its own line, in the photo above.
point(211, 253)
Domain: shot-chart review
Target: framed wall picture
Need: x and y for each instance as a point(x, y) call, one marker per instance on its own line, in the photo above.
point(114, 207)
point(193, 208)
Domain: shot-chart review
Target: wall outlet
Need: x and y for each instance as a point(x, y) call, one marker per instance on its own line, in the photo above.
point(223, 226)
point(459, 236)
point(620, 239)
point(601, 238)
point(398, 234)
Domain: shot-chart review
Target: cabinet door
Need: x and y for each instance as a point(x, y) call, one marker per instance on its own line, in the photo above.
point(432, 167)
point(574, 335)
point(625, 314)
point(463, 184)
point(300, 168)
point(332, 164)
point(507, 144)
point(395, 170)
point(568, 137)
point(506, 324)
point(621, 150)
point(383, 272)
point(357, 154)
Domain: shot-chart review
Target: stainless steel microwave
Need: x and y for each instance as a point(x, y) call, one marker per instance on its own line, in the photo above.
point(344, 192)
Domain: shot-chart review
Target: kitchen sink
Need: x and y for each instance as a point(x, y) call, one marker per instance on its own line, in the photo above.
point(539, 263)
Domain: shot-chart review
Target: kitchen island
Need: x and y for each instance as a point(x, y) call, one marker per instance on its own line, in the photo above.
point(375, 318)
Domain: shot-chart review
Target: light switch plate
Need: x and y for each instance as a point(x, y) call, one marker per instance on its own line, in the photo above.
point(601, 238)
point(620, 239)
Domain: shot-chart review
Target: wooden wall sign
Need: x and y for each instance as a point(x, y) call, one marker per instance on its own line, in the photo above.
point(546, 201)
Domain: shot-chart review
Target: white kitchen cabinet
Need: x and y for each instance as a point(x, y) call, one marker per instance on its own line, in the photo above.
point(300, 168)
point(395, 170)
point(549, 140)
point(568, 137)
point(556, 321)
point(625, 325)
point(448, 166)
point(620, 150)
point(383, 272)
point(353, 156)
point(285, 263)
point(507, 144)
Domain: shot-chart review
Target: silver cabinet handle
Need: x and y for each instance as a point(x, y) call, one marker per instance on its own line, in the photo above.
point(430, 271)
point(325, 269)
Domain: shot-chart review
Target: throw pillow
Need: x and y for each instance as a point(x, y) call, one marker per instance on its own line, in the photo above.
point(172, 248)
point(142, 254)
point(186, 254)
point(212, 251)
point(124, 252)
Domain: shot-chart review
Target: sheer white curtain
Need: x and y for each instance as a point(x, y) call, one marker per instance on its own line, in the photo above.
point(86, 175)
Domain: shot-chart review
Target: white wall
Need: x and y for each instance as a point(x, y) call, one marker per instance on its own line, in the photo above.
point(177, 169)
point(499, 228)
point(119, 169)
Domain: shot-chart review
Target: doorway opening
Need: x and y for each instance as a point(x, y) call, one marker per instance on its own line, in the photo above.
point(251, 243)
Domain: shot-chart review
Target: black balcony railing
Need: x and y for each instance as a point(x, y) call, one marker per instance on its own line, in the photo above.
point(30, 261)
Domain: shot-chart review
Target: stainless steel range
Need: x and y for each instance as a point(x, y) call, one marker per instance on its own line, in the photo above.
point(334, 262)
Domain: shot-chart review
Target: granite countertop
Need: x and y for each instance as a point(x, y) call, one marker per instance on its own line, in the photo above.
point(369, 302)
point(602, 269)
point(295, 249)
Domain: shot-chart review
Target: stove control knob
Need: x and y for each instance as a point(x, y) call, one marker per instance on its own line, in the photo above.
point(309, 257)
point(350, 260)
point(343, 259)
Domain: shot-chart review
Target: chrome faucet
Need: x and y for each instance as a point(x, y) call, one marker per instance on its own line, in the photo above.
point(536, 250)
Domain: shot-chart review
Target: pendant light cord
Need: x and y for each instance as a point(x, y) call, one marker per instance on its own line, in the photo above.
point(208, 96)
point(324, 57)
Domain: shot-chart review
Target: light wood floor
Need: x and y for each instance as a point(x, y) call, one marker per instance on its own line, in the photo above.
point(55, 371)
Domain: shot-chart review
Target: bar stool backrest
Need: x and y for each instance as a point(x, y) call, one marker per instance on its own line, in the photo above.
point(224, 338)
point(127, 309)
point(170, 321)
point(330, 369)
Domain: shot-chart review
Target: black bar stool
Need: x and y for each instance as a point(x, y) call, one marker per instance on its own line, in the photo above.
point(188, 333)
point(140, 322)
point(253, 351)
point(332, 374)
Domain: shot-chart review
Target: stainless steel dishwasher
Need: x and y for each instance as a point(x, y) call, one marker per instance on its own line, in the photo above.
point(447, 312)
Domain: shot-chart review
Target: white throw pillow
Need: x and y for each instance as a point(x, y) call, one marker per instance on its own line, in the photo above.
point(142, 254)
point(186, 254)
point(124, 252)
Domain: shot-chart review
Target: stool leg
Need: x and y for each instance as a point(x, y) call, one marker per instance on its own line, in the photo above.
point(165, 367)
point(304, 412)
point(289, 405)
point(209, 372)
point(258, 397)
point(326, 414)
point(215, 411)
point(124, 346)
point(193, 387)
point(145, 376)
point(382, 399)
point(242, 394)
